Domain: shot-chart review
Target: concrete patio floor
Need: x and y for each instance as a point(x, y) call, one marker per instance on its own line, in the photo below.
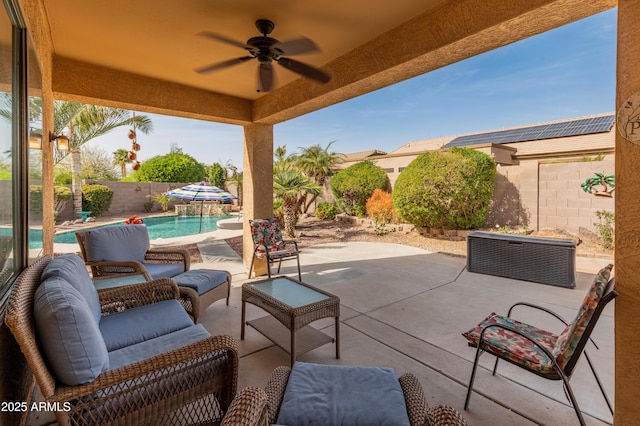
point(403, 307)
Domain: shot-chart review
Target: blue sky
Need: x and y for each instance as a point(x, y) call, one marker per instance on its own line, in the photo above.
point(564, 73)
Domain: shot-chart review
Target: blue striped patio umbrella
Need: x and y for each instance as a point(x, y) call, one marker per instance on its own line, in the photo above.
point(201, 191)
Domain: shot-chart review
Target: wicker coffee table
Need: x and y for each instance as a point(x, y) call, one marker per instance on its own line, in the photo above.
point(292, 304)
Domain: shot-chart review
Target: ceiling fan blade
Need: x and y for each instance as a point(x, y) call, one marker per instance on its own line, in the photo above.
point(297, 46)
point(224, 39)
point(221, 65)
point(265, 77)
point(305, 70)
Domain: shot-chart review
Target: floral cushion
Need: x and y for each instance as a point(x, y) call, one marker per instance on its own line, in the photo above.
point(512, 346)
point(569, 338)
point(267, 233)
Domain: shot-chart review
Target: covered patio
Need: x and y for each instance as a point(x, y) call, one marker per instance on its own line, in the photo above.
point(404, 308)
point(85, 54)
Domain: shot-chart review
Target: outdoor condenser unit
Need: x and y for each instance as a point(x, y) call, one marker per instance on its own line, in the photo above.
point(542, 260)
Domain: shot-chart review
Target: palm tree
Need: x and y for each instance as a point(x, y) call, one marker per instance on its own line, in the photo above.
point(317, 163)
point(84, 122)
point(121, 158)
point(290, 185)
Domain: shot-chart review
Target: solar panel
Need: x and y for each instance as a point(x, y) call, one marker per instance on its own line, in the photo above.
point(581, 126)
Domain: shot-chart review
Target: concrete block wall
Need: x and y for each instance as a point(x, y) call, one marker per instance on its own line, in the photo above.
point(563, 203)
point(129, 197)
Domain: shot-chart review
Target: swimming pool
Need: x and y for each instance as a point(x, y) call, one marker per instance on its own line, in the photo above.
point(159, 227)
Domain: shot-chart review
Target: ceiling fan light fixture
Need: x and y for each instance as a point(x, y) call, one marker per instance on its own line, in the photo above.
point(267, 49)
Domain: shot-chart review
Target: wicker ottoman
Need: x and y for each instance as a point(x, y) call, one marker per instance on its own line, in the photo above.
point(199, 288)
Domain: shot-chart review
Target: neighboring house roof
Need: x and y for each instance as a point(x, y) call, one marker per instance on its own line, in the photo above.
point(358, 155)
point(423, 145)
point(602, 123)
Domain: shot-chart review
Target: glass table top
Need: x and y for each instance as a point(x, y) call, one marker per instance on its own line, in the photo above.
point(290, 292)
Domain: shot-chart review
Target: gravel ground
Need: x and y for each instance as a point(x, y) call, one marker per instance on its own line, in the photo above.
point(311, 231)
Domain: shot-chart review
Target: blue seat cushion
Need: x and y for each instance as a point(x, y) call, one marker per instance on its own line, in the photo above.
point(201, 280)
point(116, 243)
point(72, 269)
point(164, 270)
point(69, 335)
point(342, 395)
point(149, 348)
point(143, 323)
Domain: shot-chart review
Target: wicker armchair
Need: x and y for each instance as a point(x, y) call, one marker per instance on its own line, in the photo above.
point(124, 250)
point(194, 384)
point(257, 407)
point(108, 267)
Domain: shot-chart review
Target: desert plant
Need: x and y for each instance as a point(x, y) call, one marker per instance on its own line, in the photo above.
point(290, 185)
point(448, 189)
point(606, 220)
point(164, 200)
point(353, 186)
point(96, 199)
point(148, 206)
point(326, 211)
point(380, 210)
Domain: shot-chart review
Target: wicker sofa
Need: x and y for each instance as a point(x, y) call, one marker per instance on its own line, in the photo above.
point(105, 357)
point(258, 407)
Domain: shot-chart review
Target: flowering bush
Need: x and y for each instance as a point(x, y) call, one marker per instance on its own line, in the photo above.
point(380, 210)
point(134, 220)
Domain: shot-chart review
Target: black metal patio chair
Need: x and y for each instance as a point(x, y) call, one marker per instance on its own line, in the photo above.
point(549, 355)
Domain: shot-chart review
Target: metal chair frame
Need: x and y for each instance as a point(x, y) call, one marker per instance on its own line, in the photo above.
point(558, 373)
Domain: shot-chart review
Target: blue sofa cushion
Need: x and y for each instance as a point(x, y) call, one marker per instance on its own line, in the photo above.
point(149, 348)
point(342, 395)
point(72, 269)
point(164, 270)
point(116, 243)
point(69, 335)
point(143, 323)
point(201, 280)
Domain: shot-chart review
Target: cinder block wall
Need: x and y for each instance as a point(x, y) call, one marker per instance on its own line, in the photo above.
point(543, 195)
point(129, 197)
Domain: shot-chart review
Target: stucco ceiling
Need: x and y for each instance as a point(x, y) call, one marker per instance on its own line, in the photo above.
point(142, 54)
point(158, 38)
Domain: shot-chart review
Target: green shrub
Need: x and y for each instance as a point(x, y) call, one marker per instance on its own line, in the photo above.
point(96, 199)
point(450, 188)
point(35, 199)
point(217, 175)
point(326, 211)
point(172, 167)
point(604, 226)
point(62, 195)
point(353, 186)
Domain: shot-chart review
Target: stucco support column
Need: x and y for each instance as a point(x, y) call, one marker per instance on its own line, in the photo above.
point(257, 180)
point(48, 197)
point(627, 204)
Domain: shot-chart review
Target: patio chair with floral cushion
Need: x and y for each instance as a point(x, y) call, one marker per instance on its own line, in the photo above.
point(549, 355)
point(338, 395)
point(269, 245)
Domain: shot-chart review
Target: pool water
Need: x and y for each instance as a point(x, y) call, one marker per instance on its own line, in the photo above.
point(158, 227)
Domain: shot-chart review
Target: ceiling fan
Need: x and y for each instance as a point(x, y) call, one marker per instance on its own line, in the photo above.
point(266, 50)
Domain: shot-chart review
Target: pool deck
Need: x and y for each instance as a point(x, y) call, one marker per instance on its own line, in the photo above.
point(404, 307)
